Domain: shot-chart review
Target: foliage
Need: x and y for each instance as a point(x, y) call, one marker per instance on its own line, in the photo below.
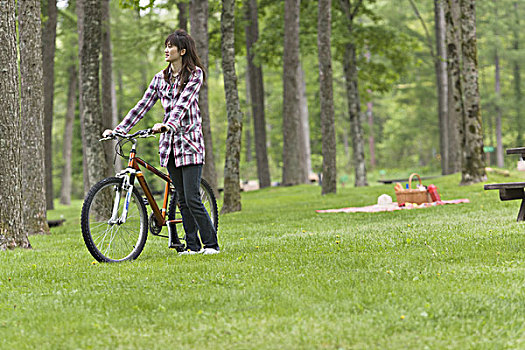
point(395, 70)
point(286, 275)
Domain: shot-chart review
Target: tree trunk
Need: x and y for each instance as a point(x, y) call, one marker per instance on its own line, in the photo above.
point(232, 189)
point(109, 101)
point(442, 84)
point(346, 147)
point(32, 116)
point(354, 110)
point(499, 138)
point(182, 6)
point(12, 232)
point(247, 122)
point(199, 31)
point(48, 57)
point(516, 70)
point(371, 141)
point(256, 94)
point(455, 85)
point(293, 169)
point(97, 165)
point(65, 191)
point(473, 163)
point(305, 125)
point(326, 96)
point(352, 93)
point(80, 28)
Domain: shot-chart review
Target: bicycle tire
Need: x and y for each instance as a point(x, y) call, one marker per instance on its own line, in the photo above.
point(208, 199)
point(113, 242)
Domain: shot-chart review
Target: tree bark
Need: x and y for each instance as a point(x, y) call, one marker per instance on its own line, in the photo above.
point(80, 28)
point(32, 116)
point(499, 137)
point(516, 70)
point(12, 232)
point(371, 140)
point(440, 64)
point(255, 76)
point(324, 32)
point(199, 31)
point(352, 93)
point(109, 99)
point(48, 56)
point(293, 169)
point(97, 165)
point(65, 191)
point(304, 130)
point(247, 122)
point(354, 110)
point(232, 190)
point(182, 7)
point(455, 85)
point(473, 163)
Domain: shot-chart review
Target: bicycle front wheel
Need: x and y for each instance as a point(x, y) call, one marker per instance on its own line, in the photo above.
point(113, 240)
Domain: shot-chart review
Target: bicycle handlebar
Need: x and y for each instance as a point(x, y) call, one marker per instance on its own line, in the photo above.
point(140, 134)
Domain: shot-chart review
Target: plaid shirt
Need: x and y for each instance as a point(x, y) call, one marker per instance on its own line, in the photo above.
point(181, 114)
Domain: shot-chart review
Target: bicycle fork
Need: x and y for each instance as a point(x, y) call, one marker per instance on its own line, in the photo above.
point(128, 187)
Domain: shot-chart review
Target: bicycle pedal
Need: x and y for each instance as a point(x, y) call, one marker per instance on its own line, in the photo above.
point(178, 247)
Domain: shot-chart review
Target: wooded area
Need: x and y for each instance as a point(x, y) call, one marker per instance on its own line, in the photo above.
point(285, 97)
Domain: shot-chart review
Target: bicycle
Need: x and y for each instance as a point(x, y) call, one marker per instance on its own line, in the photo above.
point(114, 217)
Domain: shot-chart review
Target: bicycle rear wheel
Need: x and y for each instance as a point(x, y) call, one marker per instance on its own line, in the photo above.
point(208, 200)
point(113, 242)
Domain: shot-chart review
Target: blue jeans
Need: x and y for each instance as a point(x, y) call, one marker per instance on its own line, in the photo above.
point(187, 180)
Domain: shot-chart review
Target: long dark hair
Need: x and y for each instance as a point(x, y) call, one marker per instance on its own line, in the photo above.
point(183, 41)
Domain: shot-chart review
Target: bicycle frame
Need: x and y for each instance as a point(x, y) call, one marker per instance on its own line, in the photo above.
point(134, 171)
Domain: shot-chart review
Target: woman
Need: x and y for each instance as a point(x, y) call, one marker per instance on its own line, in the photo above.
point(181, 148)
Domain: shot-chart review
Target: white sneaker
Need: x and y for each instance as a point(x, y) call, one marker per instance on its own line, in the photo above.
point(210, 251)
point(190, 252)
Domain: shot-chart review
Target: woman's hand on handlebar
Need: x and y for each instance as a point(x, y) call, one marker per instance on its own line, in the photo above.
point(159, 128)
point(107, 133)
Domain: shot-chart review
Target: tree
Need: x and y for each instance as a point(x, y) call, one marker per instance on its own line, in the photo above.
point(232, 190)
point(65, 191)
point(182, 6)
point(109, 95)
point(80, 28)
point(455, 84)
point(48, 55)
point(32, 116)
point(499, 137)
point(440, 63)
point(247, 122)
point(473, 163)
point(516, 69)
point(256, 89)
point(329, 179)
point(350, 12)
point(294, 172)
point(90, 37)
point(12, 233)
point(304, 129)
point(199, 31)
point(440, 66)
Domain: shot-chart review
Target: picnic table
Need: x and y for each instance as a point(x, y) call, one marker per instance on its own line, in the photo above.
point(512, 190)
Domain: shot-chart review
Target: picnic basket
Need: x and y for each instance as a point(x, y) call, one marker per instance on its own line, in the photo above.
point(412, 195)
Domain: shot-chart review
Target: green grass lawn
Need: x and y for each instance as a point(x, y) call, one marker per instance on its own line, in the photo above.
point(287, 278)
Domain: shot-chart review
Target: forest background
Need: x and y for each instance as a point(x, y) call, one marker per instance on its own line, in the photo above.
point(395, 59)
point(396, 70)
